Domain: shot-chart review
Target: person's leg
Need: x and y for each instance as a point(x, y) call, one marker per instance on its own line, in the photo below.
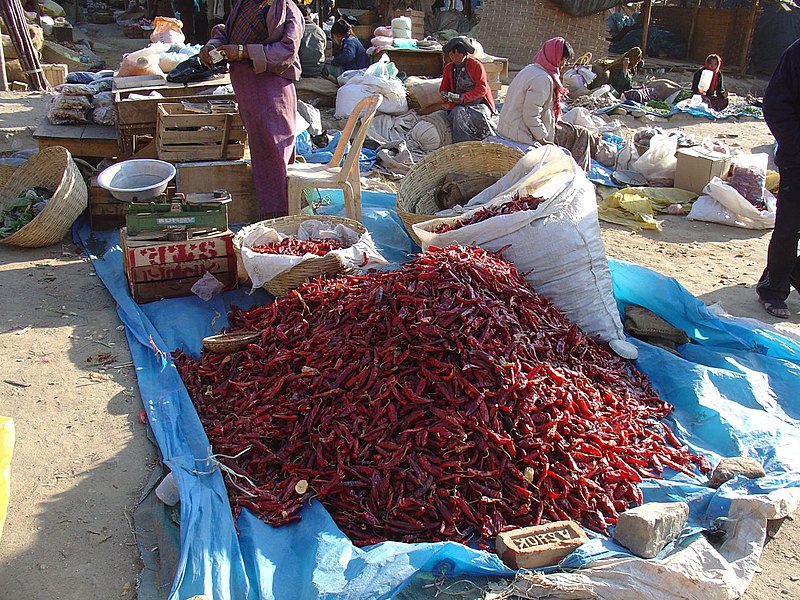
point(268, 107)
point(577, 140)
point(783, 266)
point(472, 123)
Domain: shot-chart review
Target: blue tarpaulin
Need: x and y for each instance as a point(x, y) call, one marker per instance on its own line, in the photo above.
point(735, 389)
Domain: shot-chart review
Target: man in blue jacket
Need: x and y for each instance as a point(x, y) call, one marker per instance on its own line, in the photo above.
point(782, 114)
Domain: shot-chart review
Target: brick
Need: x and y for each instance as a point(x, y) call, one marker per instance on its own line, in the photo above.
point(646, 529)
point(730, 467)
point(539, 546)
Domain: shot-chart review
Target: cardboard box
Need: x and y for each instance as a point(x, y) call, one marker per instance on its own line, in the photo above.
point(697, 166)
point(539, 546)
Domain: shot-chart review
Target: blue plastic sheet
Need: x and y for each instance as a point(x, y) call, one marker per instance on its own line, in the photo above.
point(303, 146)
point(735, 392)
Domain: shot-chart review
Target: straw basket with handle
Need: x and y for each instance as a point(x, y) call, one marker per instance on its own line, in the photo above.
point(316, 266)
point(52, 169)
point(416, 200)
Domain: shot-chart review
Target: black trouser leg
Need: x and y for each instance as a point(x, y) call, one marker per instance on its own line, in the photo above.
point(783, 265)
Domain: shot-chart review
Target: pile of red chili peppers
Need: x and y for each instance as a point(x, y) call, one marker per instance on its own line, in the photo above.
point(295, 247)
point(517, 204)
point(441, 401)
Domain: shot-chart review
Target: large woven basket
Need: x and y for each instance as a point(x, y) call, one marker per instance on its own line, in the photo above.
point(313, 267)
point(416, 200)
point(52, 169)
point(6, 171)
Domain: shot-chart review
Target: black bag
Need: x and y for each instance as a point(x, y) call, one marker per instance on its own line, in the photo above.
point(192, 70)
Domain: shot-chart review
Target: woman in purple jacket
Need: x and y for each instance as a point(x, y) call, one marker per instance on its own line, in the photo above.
point(260, 39)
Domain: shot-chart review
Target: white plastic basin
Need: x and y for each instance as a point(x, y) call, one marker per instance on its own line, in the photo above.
point(137, 179)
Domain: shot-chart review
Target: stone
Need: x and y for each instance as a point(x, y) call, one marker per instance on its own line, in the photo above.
point(730, 467)
point(539, 546)
point(646, 529)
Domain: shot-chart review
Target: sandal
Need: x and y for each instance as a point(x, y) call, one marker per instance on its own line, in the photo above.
point(776, 308)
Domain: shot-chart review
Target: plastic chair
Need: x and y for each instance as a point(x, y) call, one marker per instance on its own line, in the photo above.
point(336, 174)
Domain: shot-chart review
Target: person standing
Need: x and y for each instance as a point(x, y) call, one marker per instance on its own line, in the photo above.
point(782, 114)
point(260, 39)
point(466, 94)
point(312, 46)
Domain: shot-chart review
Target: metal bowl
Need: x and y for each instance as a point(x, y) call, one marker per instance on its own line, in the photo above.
point(137, 180)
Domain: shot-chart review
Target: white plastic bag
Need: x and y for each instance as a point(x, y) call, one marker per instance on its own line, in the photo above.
point(168, 31)
point(379, 78)
point(720, 203)
point(360, 253)
point(557, 246)
point(581, 116)
point(143, 62)
point(658, 163)
point(577, 80)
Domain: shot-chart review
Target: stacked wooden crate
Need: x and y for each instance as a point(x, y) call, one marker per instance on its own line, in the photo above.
point(496, 72)
point(185, 136)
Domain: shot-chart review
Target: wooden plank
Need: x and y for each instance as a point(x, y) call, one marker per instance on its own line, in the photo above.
point(647, 11)
point(83, 148)
point(176, 288)
point(192, 268)
point(48, 130)
point(93, 131)
point(144, 112)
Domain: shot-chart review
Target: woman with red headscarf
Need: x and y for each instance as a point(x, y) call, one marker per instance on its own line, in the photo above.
point(715, 96)
point(532, 110)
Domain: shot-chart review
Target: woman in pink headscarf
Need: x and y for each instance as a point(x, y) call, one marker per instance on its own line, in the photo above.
point(531, 113)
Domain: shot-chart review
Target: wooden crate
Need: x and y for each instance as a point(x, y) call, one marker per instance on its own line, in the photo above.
point(236, 176)
point(105, 211)
point(56, 74)
point(185, 136)
point(157, 270)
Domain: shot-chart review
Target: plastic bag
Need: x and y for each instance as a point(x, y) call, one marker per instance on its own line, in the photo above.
point(64, 102)
point(207, 286)
point(81, 77)
point(68, 117)
point(658, 163)
point(104, 115)
point(721, 203)
point(577, 80)
point(169, 60)
point(379, 78)
point(142, 62)
point(103, 99)
point(104, 84)
point(76, 89)
point(750, 177)
point(167, 30)
point(192, 70)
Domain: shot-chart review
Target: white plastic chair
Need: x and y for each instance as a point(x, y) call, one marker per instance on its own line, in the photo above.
point(336, 174)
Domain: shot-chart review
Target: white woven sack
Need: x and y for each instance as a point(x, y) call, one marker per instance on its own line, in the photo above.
point(721, 203)
point(557, 246)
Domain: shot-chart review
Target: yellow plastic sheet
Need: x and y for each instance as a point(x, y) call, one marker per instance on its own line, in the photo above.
point(6, 449)
point(636, 207)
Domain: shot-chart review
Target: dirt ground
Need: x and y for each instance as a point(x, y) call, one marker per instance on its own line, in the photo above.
point(82, 455)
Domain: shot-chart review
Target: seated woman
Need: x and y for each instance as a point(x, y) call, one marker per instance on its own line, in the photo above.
point(532, 111)
point(715, 96)
point(465, 93)
point(617, 73)
point(349, 53)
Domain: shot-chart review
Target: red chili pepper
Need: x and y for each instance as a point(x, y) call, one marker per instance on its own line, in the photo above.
point(295, 247)
point(414, 402)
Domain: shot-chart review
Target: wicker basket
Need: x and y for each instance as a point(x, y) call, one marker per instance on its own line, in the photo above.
point(6, 171)
point(312, 267)
point(52, 169)
point(416, 201)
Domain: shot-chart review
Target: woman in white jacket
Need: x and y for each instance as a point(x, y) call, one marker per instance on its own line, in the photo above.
point(532, 108)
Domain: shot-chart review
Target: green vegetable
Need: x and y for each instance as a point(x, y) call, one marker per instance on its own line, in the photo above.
point(22, 210)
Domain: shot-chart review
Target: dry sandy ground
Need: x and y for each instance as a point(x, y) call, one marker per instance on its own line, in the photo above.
point(82, 456)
